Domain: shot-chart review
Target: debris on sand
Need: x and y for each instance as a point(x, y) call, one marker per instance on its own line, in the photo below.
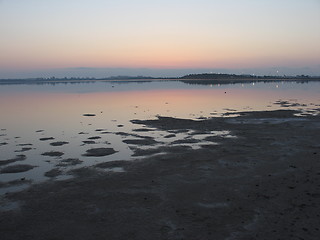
point(46, 139)
point(89, 115)
point(52, 154)
point(99, 152)
point(17, 168)
point(61, 143)
point(53, 173)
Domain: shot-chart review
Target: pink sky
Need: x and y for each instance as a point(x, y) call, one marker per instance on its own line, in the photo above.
point(168, 34)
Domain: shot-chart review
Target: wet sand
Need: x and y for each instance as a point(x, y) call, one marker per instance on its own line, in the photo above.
point(264, 183)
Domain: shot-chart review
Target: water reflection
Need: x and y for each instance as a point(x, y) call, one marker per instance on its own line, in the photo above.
point(35, 119)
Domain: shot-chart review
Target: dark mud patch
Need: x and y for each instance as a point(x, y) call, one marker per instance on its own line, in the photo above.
point(85, 172)
point(170, 136)
point(105, 132)
point(89, 115)
point(53, 173)
point(100, 130)
point(17, 168)
point(269, 114)
point(89, 142)
point(212, 146)
point(124, 134)
point(160, 150)
point(53, 154)
point(230, 109)
point(186, 141)
point(285, 103)
point(202, 118)
point(143, 130)
point(132, 135)
point(39, 131)
point(46, 139)
point(94, 138)
point(140, 141)
point(99, 152)
point(16, 159)
point(61, 143)
point(15, 183)
point(24, 144)
point(179, 131)
point(176, 125)
point(213, 139)
point(3, 143)
point(168, 123)
point(82, 133)
point(25, 149)
point(113, 164)
point(69, 162)
point(263, 185)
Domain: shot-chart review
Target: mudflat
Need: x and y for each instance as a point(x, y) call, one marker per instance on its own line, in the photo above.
point(261, 183)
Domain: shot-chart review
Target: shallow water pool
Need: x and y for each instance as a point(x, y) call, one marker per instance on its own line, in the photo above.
point(69, 119)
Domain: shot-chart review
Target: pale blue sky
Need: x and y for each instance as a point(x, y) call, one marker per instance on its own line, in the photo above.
point(45, 34)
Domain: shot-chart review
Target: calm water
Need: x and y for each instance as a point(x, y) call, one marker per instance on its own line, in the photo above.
point(32, 112)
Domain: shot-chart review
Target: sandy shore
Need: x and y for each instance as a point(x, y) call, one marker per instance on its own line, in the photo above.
point(264, 183)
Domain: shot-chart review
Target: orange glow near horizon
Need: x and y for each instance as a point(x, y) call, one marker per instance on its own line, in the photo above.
point(157, 56)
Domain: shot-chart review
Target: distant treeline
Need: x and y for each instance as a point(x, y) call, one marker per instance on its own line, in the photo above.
point(204, 78)
point(72, 79)
point(216, 78)
point(243, 76)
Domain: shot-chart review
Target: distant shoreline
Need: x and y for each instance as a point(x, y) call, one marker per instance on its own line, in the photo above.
point(190, 79)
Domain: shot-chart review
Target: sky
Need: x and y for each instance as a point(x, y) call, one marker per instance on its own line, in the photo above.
point(50, 36)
